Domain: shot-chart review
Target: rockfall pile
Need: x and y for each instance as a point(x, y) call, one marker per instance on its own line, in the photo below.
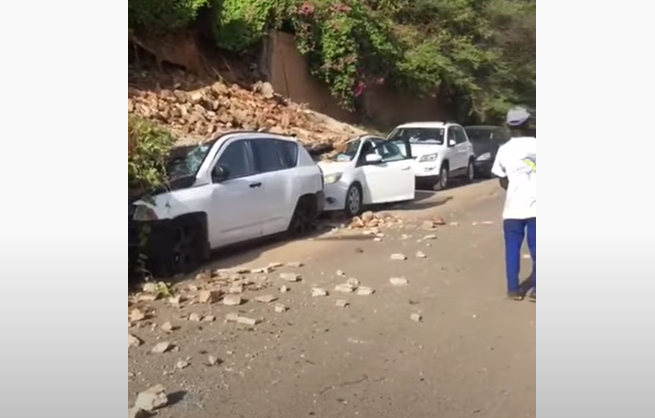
point(196, 112)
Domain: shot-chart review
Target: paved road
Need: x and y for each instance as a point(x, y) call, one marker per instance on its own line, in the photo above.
point(473, 355)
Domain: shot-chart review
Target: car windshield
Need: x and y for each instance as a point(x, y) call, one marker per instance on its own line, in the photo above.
point(419, 135)
point(186, 161)
point(486, 135)
point(350, 152)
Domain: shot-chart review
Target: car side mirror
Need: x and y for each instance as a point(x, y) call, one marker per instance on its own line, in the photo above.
point(373, 158)
point(219, 174)
point(452, 143)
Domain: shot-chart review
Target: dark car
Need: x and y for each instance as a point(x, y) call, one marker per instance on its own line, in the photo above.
point(486, 140)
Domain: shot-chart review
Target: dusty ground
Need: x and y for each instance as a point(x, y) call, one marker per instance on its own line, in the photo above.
point(472, 355)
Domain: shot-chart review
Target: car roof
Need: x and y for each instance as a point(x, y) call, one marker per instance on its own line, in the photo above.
point(425, 124)
point(245, 134)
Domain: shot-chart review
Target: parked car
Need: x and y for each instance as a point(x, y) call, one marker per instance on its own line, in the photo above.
point(486, 140)
point(238, 187)
point(441, 150)
point(370, 170)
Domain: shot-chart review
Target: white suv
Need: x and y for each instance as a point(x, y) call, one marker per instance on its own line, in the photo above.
point(238, 187)
point(441, 151)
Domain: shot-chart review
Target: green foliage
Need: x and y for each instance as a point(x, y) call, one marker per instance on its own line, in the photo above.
point(148, 148)
point(163, 15)
point(241, 23)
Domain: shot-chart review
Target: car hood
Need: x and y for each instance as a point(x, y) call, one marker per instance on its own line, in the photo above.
point(424, 149)
point(331, 167)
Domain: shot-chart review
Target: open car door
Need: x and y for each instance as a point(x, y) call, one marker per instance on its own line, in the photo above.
point(397, 154)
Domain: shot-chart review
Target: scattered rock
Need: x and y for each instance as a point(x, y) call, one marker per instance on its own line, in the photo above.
point(236, 289)
point(438, 221)
point(209, 318)
point(182, 364)
point(318, 292)
point(353, 282)
point(137, 413)
point(344, 288)
point(295, 264)
point(398, 281)
point(209, 296)
point(167, 327)
point(133, 341)
point(232, 300)
point(152, 399)
point(365, 291)
point(266, 298)
point(454, 224)
point(275, 265)
point(175, 301)
point(416, 317)
point(284, 289)
point(290, 277)
point(162, 347)
point(340, 273)
point(398, 257)
point(279, 308)
point(149, 287)
point(359, 250)
point(341, 303)
point(194, 317)
point(137, 315)
point(232, 317)
point(421, 254)
point(213, 361)
point(429, 237)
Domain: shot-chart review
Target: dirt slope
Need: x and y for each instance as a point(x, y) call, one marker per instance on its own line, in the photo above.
point(197, 110)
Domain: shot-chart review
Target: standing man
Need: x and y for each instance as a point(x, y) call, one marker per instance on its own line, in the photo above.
point(516, 168)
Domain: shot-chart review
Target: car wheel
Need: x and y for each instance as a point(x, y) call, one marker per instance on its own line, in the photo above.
point(353, 200)
point(470, 172)
point(304, 216)
point(442, 182)
point(187, 247)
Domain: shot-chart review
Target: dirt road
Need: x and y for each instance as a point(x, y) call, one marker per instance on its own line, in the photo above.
point(471, 355)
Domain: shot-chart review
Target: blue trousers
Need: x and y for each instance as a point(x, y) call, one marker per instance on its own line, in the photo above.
point(515, 231)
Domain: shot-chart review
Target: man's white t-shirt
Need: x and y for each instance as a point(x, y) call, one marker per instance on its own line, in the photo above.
point(517, 160)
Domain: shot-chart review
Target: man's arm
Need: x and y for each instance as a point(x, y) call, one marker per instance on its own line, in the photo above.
point(498, 170)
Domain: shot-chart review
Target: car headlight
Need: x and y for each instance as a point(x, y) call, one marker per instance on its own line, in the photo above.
point(332, 178)
point(428, 157)
point(144, 213)
point(484, 157)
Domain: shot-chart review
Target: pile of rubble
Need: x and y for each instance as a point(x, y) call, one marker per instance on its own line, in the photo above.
point(196, 111)
point(374, 220)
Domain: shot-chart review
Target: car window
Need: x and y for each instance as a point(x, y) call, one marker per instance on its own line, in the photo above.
point(460, 134)
point(450, 136)
point(236, 160)
point(390, 150)
point(367, 148)
point(289, 153)
point(268, 155)
point(419, 135)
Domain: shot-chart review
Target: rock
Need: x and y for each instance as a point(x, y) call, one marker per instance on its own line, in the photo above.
point(398, 281)
point(438, 221)
point(263, 270)
point(344, 288)
point(420, 254)
point(318, 292)
point(295, 264)
point(342, 303)
point(162, 347)
point(209, 318)
point(148, 297)
point(175, 301)
point(194, 317)
point(236, 289)
point(454, 224)
point(152, 399)
point(290, 277)
point(353, 282)
point(133, 341)
point(232, 300)
point(167, 327)
point(266, 298)
point(213, 361)
point(340, 273)
point(182, 364)
point(275, 265)
point(365, 291)
point(398, 257)
point(232, 317)
point(284, 289)
point(137, 413)
point(209, 296)
point(429, 237)
point(416, 317)
point(137, 315)
point(149, 287)
point(279, 308)
point(368, 216)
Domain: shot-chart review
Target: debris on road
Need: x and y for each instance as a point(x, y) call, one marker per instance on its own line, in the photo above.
point(162, 347)
point(194, 317)
point(182, 364)
point(290, 277)
point(340, 273)
point(295, 264)
point(353, 282)
point(284, 289)
point(429, 237)
point(209, 296)
point(416, 317)
point(318, 292)
point(212, 361)
point(344, 288)
point(398, 281)
point(365, 291)
point(341, 303)
point(266, 298)
point(244, 320)
point(167, 327)
point(398, 257)
point(374, 221)
point(133, 341)
point(232, 300)
point(279, 308)
point(420, 254)
point(151, 399)
point(136, 315)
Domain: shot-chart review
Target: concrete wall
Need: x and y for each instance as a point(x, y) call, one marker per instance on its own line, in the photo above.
point(287, 71)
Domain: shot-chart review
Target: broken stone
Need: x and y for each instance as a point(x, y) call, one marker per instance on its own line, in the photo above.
point(209, 296)
point(162, 347)
point(149, 287)
point(266, 298)
point(137, 315)
point(213, 361)
point(236, 289)
point(279, 308)
point(398, 281)
point(167, 327)
point(353, 282)
point(149, 297)
point(429, 237)
point(194, 317)
point(290, 277)
point(232, 300)
point(376, 239)
point(137, 413)
point(151, 399)
point(341, 303)
point(263, 270)
point(318, 292)
point(295, 264)
point(344, 288)
point(175, 301)
point(416, 317)
point(275, 265)
point(182, 364)
point(340, 273)
point(398, 257)
point(454, 224)
point(365, 291)
point(243, 271)
point(438, 221)
point(209, 318)
point(284, 289)
point(133, 341)
point(420, 254)
point(232, 317)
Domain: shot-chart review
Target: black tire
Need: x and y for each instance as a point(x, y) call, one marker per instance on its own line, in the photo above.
point(470, 172)
point(444, 178)
point(354, 204)
point(304, 216)
point(186, 247)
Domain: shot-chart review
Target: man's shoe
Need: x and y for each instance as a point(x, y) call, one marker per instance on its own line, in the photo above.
point(533, 297)
point(518, 296)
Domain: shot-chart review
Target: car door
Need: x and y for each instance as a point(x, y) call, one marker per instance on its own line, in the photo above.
point(235, 213)
point(273, 162)
point(464, 148)
point(450, 150)
point(392, 178)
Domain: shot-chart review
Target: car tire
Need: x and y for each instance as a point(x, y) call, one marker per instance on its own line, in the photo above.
point(470, 171)
point(354, 200)
point(186, 247)
point(443, 179)
point(304, 216)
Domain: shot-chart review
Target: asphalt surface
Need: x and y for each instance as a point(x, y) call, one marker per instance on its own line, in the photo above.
point(472, 355)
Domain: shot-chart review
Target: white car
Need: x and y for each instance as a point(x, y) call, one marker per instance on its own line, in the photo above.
point(442, 150)
point(370, 170)
point(238, 187)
